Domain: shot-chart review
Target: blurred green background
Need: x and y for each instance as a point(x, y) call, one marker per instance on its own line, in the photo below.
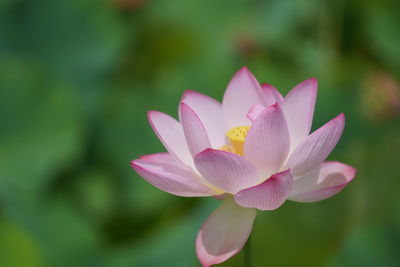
point(76, 80)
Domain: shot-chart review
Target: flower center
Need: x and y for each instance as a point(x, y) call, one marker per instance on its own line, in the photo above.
point(236, 137)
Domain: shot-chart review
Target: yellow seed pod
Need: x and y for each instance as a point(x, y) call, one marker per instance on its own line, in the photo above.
point(236, 137)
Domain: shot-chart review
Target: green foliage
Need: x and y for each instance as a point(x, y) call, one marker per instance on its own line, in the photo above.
point(76, 80)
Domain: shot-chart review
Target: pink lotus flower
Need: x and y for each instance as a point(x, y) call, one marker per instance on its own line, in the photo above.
point(254, 150)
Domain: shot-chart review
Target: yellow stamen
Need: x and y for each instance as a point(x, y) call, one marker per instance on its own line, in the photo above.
point(228, 149)
point(217, 190)
point(236, 137)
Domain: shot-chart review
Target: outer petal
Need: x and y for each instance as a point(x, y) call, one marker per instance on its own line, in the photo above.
point(267, 142)
point(195, 133)
point(164, 159)
point(298, 107)
point(242, 93)
point(224, 233)
point(170, 177)
point(268, 195)
point(225, 170)
point(316, 147)
point(333, 177)
point(271, 94)
point(303, 183)
point(170, 133)
point(210, 114)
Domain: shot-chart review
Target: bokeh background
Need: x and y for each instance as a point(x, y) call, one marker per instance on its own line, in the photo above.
point(76, 80)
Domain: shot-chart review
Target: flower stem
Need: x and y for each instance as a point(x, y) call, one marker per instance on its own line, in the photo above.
point(247, 253)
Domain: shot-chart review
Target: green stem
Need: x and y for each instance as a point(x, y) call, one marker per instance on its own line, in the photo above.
point(247, 253)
